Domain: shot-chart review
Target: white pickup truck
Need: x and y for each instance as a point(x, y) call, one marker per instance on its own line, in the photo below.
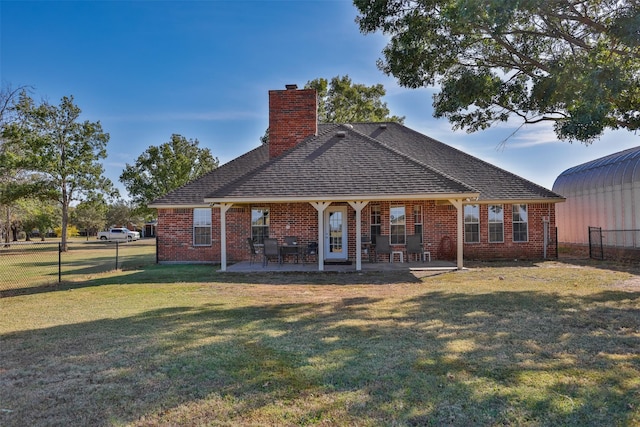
point(119, 234)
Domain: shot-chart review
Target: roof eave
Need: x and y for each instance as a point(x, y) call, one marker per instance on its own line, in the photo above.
point(343, 198)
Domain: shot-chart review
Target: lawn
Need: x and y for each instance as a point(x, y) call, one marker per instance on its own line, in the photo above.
point(528, 344)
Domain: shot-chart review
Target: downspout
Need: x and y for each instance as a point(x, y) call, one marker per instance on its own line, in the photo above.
point(545, 233)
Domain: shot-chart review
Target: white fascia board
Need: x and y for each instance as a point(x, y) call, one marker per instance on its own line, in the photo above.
point(519, 201)
point(346, 198)
point(174, 206)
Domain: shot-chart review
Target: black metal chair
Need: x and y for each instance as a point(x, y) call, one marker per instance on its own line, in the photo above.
point(414, 247)
point(312, 250)
point(271, 250)
point(252, 250)
point(383, 246)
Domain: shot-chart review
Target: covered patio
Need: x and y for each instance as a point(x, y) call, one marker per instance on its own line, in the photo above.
point(309, 267)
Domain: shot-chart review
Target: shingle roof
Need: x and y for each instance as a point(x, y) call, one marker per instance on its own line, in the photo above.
point(371, 160)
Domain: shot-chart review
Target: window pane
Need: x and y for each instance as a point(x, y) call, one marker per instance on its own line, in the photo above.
point(520, 223)
point(202, 236)
point(259, 225)
point(471, 223)
point(202, 226)
point(376, 222)
point(496, 223)
point(397, 221)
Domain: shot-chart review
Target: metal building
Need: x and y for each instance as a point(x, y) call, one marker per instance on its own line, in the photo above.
point(601, 193)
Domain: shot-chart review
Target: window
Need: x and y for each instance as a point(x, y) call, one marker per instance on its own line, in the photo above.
point(397, 220)
point(520, 223)
point(202, 227)
point(471, 223)
point(376, 222)
point(259, 225)
point(496, 223)
point(417, 220)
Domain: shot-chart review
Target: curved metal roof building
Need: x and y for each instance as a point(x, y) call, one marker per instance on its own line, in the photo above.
point(601, 193)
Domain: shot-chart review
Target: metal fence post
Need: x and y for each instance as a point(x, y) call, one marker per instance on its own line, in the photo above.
point(59, 262)
point(117, 245)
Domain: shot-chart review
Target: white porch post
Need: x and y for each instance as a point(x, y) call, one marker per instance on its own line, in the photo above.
point(358, 206)
point(320, 207)
point(224, 207)
point(460, 240)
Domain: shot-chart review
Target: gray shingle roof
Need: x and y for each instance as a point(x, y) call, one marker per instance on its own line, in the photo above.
point(368, 160)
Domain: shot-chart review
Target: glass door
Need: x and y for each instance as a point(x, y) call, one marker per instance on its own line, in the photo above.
point(335, 233)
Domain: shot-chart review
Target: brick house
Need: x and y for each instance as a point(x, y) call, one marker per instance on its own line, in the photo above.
point(337, 184)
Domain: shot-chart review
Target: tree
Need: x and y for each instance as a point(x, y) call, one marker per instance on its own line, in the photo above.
point(162, 169)
point(343, 101)
point(122, 213)
point(12, 179)
point(90, 216)
point(61, 151)
point(573, 63)
point(38, 214)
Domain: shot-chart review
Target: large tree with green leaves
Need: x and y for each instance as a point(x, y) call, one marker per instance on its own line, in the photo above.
point(575, 63)
point(161, 169)
point(342, 101)
point(60, 151)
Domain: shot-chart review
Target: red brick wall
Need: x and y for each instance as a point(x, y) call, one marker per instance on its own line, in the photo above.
point(533, 249)
point(175, 231)
point(293, 116)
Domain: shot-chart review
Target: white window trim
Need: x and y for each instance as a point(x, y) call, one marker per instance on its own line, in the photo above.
point(404, 224)
point(489, 222)
point(208, 223)
point(526, 209)
point(268, 226)
point(475, 242)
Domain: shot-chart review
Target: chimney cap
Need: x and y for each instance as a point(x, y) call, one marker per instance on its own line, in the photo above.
point(291, 86)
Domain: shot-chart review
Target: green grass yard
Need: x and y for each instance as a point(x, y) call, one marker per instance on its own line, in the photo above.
point(528, 344)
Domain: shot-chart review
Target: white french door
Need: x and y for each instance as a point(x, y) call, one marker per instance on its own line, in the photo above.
point(335, 233)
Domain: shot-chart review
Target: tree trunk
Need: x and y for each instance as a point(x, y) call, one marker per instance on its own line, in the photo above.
point(65, 217)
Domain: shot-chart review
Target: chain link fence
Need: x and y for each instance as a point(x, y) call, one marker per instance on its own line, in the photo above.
point(614, 244)
point(26, 265)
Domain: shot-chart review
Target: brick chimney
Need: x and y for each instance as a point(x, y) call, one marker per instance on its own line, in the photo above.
point(293, 116)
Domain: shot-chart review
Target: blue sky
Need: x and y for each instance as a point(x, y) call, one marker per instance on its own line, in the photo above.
point(203, 69)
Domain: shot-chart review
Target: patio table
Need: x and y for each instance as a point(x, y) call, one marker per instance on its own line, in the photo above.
point(294, 250)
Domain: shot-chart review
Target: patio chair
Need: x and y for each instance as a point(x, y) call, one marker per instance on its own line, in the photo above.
point(252, 250)
point(312, 250)
point(383, 246)
point(271, 250)
point(414, 247)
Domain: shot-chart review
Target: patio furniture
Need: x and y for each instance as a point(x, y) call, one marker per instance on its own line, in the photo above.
point(252, 250)
point(414, 247)
point(312, 250)
point(383, 246)
point(271, 250)
point(291, 247)
point(367, 248)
